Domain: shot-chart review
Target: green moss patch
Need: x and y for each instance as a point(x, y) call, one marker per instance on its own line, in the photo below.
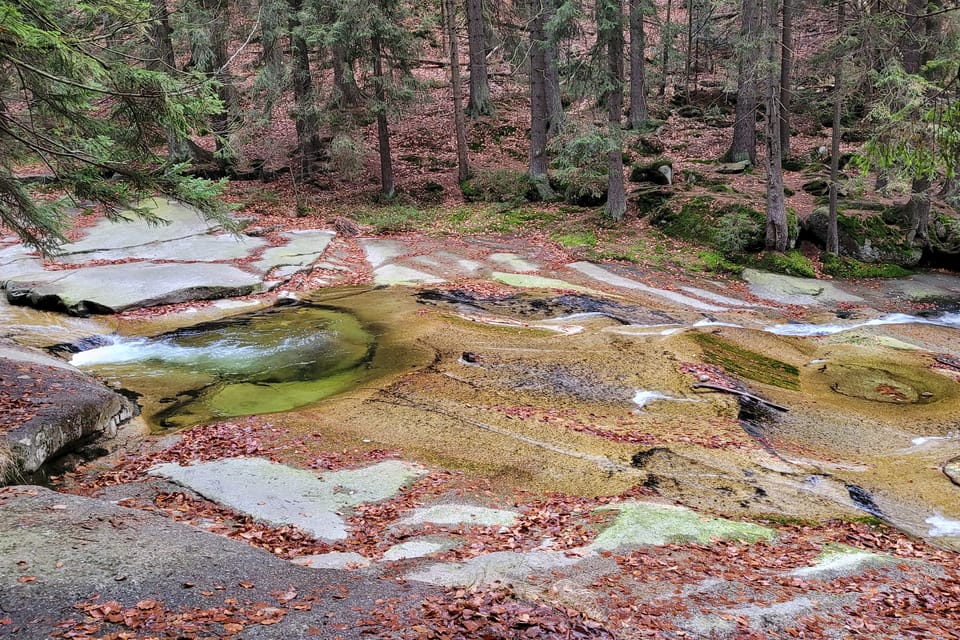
point(843, 267)
point(647, 523)
point(747, 364)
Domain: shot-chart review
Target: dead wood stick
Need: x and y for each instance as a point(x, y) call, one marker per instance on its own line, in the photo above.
point(738, 392)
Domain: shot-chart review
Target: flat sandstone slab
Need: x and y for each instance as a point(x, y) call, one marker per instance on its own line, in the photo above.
point(118, 287)
point(280, 495)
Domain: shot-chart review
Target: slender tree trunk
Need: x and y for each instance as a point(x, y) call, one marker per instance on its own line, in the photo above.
point(918, 212)
point(538, 104)
point(688, 62)
point(833, 235)
point(272, 18)
point(346, 93)
point(638, 81)
point(305, 115)
point(744, 144)
point(218, 15)
point(463, 169)
point(786, 75)
point(387, 188)
point(777, 232)
point(479, 103)
point(665, 39)
point(610, 32)
point(179, 147)
point(555, 114)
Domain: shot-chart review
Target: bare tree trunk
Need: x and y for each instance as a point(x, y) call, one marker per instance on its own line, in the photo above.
point(638, 82)
point(777, 232)
point(179, 148)
point(611, 31)
point(786, 75)
point(217, 13)
point(346, 93)
point(538, 104)
point(479, 103)
point(918, 212)
point(665, 46)
point(305, 115)
point(833, 235)
point(688, 62)
point(387, 188)
point(555, 114)
point(463, 169)
point(744, 144)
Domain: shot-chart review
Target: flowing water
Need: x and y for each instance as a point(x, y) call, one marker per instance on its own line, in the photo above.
point(584, 395)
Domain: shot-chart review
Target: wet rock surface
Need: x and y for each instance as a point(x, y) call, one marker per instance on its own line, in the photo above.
point(717, 514)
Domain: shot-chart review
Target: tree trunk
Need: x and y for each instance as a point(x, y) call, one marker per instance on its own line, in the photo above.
point(744, 144)
point(912, 50)
point(538, 104)
point(218, 17)
point(688, 62)
point(665, 46)
point(479, 103)
point(786, 75)
point(305, 115)
point(777, 232)
point(346, 93)
point(387, 189)
point(918, 212)
point(833, 234)
point(463, 169)
point(272, 19)
point(555, 114)
point(611, 32)
point(638, 82)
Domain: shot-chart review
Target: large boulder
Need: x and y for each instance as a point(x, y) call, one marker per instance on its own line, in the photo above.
point(944, 233)
point(50, 409)
point(867, 238)
point(732, 228)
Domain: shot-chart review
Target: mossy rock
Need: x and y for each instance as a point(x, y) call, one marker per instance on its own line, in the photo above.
point(734, 230)
point(659, 171)
point(647, 145)
point(649, 197)
point(844, 267)
point(580, 186)
point(944, 234)
point(873, 239)
point(791, 263)
point(715, 262)
point(496, 185)
point(793, 164)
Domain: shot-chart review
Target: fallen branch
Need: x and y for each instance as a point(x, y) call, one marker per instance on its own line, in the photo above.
point(738, 392)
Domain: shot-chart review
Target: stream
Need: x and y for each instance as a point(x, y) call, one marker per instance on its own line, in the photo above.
point(572, 393)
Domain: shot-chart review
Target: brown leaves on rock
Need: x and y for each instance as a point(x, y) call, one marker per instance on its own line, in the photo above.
point(494, 613)
point(154, 618)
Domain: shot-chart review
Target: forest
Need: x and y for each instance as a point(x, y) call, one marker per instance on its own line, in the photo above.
point(627, 109)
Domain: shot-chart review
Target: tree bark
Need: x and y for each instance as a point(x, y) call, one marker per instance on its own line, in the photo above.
point(638, 82)
point(786, 75)
point(538, 104)
point(688, 61)
point(555, 114)
point(777, 233)
point(665, 46)
point(611, 31)
point(918, 212)
point(346, 93)
point(305, 116)
point(218, 16)
point(833, 234)
point(387, 188)
point(463, 169)
point(744, 143)
point(479, 103)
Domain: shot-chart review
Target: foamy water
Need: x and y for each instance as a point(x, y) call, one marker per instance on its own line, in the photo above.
point(815, 330)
